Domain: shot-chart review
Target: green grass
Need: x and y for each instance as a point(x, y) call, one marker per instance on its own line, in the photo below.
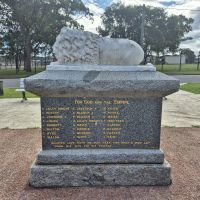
point(191, 87)
point(186, 69)
point(11, 93)
point(11, 73)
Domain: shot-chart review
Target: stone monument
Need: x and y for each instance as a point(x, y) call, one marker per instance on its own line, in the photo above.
point(101, 115)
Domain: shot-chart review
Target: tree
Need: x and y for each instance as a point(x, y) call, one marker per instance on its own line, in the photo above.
point(12, 45)
point(39, 21)
point(190, 55)
point(176, 27)
point(162, 32)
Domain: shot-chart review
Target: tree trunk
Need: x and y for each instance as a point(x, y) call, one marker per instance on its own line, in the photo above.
point(35, 62)
point(45, 59)
point(144, 62)
point(145, 59)
point(163, 60)
point(17, 60)
point(157, 58)
point(20, 60)
point(1, 88)
point(17, 63)
point(27, 53)
point(180, 65)
point(5, 63)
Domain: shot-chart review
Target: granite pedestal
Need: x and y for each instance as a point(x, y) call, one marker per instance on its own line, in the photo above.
point(100, 127)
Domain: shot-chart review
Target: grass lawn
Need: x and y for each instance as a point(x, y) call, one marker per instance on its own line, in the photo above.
point(189, 69)
point(11, 73)
point(191, 87)
point(11, 93)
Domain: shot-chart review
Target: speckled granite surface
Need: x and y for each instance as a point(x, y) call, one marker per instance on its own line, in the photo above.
point(100, 175)
point(144, 91)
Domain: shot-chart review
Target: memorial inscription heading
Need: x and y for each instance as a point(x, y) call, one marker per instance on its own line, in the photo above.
point(100, 123)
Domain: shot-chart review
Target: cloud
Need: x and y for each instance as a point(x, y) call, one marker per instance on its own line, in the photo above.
point(91, 25)
point(141, 2)
point(177, 7)
point(167, 3)
point(95, 9)
point(190, 9)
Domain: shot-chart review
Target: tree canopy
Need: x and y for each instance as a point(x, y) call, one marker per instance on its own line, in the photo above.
point(190, 55)
point(162, 32)
point(29, 24)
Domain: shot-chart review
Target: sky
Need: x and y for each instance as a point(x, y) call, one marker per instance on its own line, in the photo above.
point(189, 8)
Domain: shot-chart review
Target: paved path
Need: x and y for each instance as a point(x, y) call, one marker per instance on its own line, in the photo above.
point(14, 114)
point(181, 109)
point(19, 148)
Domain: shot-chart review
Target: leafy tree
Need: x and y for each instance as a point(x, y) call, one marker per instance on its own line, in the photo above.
point(162, 32)
point(38, 21)
point(176, 27)
point(190, 55)
point(12, 45)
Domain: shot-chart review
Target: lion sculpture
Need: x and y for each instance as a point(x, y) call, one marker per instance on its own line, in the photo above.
point(74, 46)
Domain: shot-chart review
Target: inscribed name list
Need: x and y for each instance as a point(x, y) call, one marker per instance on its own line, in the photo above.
point(74, 123)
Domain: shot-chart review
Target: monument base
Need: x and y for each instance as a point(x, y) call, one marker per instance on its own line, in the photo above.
point(100, 156)
point(100, 175)
point(85, 110)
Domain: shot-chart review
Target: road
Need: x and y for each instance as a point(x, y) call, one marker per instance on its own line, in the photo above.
point(188, 78)
point(14, 83)
point(10, 83)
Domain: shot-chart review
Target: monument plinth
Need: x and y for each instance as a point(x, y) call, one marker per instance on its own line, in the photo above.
point(100, 123)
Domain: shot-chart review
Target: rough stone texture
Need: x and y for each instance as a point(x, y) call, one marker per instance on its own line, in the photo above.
point(76, 46)
point(66, 83)
point(94, 156)
point(100, 175)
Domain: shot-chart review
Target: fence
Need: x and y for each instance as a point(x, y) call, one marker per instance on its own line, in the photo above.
point(35, 64)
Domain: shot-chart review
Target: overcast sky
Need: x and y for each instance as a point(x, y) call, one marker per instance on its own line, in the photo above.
point(184, 7)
